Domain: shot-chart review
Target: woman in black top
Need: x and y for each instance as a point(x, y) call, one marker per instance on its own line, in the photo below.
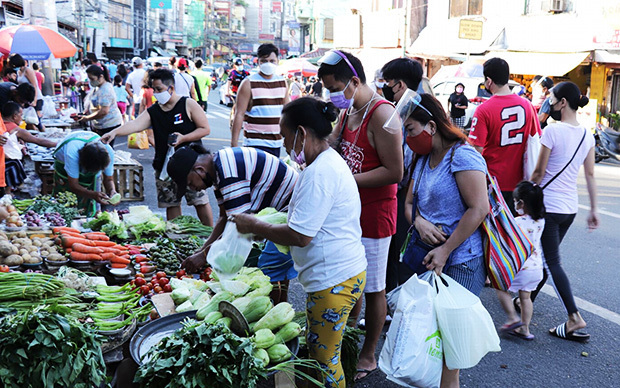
point(457, 103)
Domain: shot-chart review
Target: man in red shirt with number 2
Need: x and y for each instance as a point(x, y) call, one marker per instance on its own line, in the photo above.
point(500, 128)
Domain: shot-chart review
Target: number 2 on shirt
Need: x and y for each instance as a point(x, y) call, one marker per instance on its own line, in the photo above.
point(508, 129)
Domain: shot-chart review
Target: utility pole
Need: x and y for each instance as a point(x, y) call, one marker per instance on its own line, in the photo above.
point(84, 49)
point(406, 28)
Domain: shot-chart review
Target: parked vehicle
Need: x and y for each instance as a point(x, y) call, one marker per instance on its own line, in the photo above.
point(474, 90)
point(607, 143)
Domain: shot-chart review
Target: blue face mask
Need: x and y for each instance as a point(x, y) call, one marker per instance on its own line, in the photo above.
point(339, 99)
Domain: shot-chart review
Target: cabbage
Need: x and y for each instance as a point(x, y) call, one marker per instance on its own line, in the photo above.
point(272, 216)
point(185, 306)
point(235, 287)
point(180, 295)
point(141, 220)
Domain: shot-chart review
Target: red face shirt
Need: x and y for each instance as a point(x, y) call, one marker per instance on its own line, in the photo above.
point(501, 126)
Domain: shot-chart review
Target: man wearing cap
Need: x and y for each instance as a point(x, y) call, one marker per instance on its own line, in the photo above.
point(134, 83)
point(244, 179)
point(183, 81)
point(176, 121)
point(545, 85)
point(375, 157)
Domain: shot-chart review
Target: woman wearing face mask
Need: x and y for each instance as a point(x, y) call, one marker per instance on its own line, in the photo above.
point(26, 75)
point(457, 103)
point(452, 201)
point(323, 230)
point(102, 108)
point(566, 145)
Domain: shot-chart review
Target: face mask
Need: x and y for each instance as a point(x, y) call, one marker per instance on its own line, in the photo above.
point(380, 85)
point(422, 143)
point(163, 97)
point(338, 98)
point(459, 90)
point(301, 158)
point(520, 211)
point(239, 68)
point(268, 68)
point(94, 84)
point(555, 114)
point(388, 92)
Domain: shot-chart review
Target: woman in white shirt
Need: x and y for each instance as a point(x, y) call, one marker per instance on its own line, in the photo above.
point(566, 145)
point(323, 230)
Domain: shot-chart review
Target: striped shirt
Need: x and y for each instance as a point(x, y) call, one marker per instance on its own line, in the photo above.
point(262, 121)
point(249, 179)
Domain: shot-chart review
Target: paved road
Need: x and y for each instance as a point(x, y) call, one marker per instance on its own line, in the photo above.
point(590, 260)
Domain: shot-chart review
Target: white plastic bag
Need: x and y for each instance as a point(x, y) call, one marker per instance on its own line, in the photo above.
point(30, 116)
point(530, 157)
point(49, 108)
point(466, 327)
point(163, 174)
point(412, 352)
point(228, 254)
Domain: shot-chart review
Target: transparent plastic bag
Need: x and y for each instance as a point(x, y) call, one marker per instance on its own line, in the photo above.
point(466, 327)
point(163, 174)
point(228, 254)
point(412, 354)
point(49, 108)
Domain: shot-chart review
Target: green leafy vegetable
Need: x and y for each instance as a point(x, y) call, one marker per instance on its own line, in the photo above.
point(272, 216)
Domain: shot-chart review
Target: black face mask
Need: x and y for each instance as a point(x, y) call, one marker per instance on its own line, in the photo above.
point(555, 114)
point(388, 92)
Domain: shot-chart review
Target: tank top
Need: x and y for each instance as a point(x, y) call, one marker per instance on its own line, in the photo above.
point(167, 123)
point(378, 219)
point(262, 120)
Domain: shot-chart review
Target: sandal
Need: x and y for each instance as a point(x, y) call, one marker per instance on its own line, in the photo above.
point(507, 328)
point(367, 371)
point(527, 337)
point(560, 332)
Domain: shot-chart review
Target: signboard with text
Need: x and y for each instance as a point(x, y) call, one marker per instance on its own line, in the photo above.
point(96, 24)
point(470, 29)
point(161, 4)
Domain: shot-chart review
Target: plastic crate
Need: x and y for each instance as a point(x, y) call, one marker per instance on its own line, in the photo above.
point(129, 182)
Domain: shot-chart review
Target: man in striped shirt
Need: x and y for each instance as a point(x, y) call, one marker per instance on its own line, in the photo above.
point(260, 99)
point(244, 179)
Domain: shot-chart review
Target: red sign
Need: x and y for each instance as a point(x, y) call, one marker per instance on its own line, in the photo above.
point(611, 39)
point(276, 6)
point(266, 36)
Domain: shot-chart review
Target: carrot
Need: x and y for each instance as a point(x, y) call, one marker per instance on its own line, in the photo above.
point(96, 236)
point(59, 229)
point(107, 255)
point(71, 234)
point(120, 260)
point(110, 250)
point(79, 256)
point(68, 241)
point(99, 233)
point(118, 265)
point(68, 250)
point(103, 244)
point(86, 249)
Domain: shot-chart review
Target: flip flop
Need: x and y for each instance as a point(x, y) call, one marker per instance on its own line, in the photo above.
point(511, 327)
point(367, 371)
point(528, 337)
point(560, 332)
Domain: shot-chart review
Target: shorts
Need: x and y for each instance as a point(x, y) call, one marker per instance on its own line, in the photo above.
point(458, 121)
point(275, 264)
point(167, 194)
point(377, 250)
point(470, 274)
point(122, 106)
point(527, 279)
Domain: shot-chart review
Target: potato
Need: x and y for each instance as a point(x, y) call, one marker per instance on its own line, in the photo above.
point(6, 248)
point(26, 257)
point(56, 257)
point(22, 234)
point(32, 248)
point(31, 259)
point(23, 251)
point(45, 253)
point(36, 243)
point(14, 260)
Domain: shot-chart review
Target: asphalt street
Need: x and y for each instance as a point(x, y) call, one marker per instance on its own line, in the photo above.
point(591, 261)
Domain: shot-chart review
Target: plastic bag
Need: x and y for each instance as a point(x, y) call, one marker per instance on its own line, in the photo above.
point(466, 327)
point(228, 254)
point(138, 141)
point(412, 354)
point(163, 174)
point(49, 108)
point(530, 157)
point(30, 116)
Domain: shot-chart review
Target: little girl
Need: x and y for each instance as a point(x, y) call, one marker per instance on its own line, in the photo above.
point(528, 201)
point(121, 96)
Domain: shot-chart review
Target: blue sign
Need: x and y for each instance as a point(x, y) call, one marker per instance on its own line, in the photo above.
point(161, 4)
point(124, 43)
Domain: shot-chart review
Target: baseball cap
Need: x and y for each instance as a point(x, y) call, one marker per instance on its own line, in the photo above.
point(179, 167)
point(137, 61)
point(182, 63)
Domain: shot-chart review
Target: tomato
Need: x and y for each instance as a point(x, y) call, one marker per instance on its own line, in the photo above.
point(147, 269)
point(157, 289)
point(154, 314)
point(140, 275)
point(144, 290)
point(140, 281)
point(160, 274)
point(167, 288)
point(4, 268)
point(150, 285)
point(163, 281)
point(181, 273)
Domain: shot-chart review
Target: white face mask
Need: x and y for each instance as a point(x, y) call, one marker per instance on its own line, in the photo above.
point(239, 68)
point(520, 211)
point(268, 68)
point(163, 97)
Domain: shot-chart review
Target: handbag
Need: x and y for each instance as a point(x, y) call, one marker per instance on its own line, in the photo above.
point(530, 157)
point(506, 246)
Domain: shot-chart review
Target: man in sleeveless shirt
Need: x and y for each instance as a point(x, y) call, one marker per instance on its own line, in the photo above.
point(375, 158)
point(172, 115)
point(260, 100)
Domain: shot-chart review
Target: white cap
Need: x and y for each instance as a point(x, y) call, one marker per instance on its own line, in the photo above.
point(137, 61)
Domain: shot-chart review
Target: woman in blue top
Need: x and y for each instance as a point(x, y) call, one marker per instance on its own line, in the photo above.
point(452, 198)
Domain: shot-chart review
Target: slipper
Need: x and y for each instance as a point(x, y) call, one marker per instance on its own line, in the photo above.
point(560, 332)
point(367, 371)
point(528, 337)
point(511, 327)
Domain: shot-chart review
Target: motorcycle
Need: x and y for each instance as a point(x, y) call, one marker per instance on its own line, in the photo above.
point(607, 143)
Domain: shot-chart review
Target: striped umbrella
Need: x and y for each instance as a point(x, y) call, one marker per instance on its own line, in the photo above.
point(35, 42)
point(298, 66)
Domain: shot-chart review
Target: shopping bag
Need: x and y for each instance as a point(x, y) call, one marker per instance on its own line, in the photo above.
point(49, 108)
point(228, 254)
point(30, 116)
point(530, 156)
point(412, 353)
point(506, 245)
point(163, 174)
point(467, 330)
point(138, 141)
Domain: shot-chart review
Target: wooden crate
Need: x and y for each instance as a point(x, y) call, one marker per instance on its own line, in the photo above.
point(45, 171)
point(129, 182)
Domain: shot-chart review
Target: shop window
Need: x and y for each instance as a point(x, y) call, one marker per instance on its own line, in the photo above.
point(460, 8)
point(328, 29)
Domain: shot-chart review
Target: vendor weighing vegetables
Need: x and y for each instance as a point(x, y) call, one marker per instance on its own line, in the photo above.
point(78, 161)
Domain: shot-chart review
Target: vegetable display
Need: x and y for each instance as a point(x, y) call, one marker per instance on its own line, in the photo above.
point(189, 225)
point(40, 349)
point(142, 221)
point(58, 209)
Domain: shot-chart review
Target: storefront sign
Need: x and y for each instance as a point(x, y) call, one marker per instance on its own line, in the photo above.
point(118, 42)
point(608, 40)
point(96, 24)
point(276, 6)
point(470, 29)
point(161, 4)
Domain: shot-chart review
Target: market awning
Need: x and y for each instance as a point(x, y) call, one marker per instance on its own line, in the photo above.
point(606, 56)
point(537, 63)
point(441, 40)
